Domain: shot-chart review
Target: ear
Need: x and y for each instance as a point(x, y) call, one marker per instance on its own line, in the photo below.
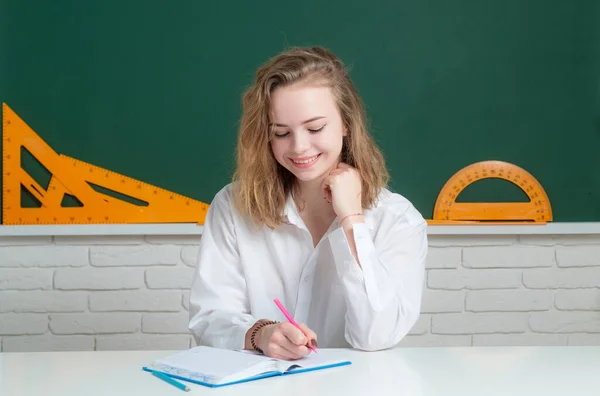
point(345, 133)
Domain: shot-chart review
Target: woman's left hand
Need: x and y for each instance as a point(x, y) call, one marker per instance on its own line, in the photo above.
point(343, 188)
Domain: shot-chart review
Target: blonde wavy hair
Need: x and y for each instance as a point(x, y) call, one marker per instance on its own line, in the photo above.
point(261, 185)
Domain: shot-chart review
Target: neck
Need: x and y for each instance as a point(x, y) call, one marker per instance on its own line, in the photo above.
point(311, 198)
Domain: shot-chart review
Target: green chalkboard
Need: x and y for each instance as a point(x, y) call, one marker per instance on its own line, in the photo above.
point(152, 89)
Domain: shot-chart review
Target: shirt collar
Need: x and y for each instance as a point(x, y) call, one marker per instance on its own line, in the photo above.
point(291, 211)
point(293, 216)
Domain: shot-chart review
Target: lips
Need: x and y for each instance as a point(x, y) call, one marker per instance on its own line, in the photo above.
point(305, 162)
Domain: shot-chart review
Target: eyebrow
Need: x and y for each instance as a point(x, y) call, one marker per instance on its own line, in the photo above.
point(304, 122)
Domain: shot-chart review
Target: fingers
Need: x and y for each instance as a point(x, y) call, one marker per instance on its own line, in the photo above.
point(311, 335)
point(341, 174)
point(292, 351)
point(287, 342)
point(293, 334)
point(326, 190)
point(332, 176)
point(326, 184)
point(327, 194)
point(280, 351)
point(295, 341)
point(337, 171)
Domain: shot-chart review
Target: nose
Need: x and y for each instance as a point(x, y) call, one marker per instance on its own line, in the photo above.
point(301, 142)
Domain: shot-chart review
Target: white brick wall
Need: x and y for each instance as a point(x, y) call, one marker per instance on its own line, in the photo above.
point(510, 290)
point(95, 293)
point(131, 292)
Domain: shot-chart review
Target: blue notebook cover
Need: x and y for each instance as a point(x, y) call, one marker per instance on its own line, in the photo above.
point(214, 367)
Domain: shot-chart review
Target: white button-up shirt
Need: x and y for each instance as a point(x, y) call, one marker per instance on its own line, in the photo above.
point(241, 269)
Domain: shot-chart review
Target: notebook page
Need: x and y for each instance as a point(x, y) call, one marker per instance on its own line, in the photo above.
point(281, 365)
point(314, 360)
point(264, 367)
point(209, 364)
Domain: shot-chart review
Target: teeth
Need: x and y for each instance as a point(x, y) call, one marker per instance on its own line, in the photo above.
point(306, 161)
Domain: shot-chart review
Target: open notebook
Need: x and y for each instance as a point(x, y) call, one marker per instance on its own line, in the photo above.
point(216, 367)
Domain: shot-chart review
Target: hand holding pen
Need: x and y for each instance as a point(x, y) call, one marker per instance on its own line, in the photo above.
point(303, 328)
point(286, 340)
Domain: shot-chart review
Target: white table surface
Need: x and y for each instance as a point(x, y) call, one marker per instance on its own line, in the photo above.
point(467, 371)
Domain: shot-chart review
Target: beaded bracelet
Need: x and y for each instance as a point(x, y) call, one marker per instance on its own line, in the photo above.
point(261, 323)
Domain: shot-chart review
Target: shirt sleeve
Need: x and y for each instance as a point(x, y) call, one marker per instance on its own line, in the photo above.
point(219, 311)
point(383, 294)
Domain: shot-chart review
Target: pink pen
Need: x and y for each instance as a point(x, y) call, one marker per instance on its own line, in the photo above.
point(292, 321)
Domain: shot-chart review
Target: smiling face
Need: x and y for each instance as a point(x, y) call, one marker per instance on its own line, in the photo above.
point(308, 130)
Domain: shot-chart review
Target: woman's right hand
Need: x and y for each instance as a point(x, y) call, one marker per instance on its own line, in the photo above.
point(285, 341)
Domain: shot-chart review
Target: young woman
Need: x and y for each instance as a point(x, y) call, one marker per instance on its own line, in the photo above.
point(308, 220)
